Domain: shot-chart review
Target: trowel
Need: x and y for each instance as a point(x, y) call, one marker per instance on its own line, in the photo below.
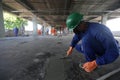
point(65, 57)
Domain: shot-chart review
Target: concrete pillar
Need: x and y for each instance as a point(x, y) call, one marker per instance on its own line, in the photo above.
point(2, 29)
point(104, 19)
point(35, 26)
point(43, 29)
point(60, 30)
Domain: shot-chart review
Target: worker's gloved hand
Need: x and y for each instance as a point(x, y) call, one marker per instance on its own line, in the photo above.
point(69, 51)
point(89, 66)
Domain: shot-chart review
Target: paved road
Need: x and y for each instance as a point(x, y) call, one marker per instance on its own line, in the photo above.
point(38, 58)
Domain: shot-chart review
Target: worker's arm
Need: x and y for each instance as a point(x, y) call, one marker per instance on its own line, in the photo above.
point(69, 51)
point(74, 41)
point(111, 49)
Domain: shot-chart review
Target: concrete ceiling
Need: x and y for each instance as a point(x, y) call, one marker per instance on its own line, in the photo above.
point(55, 12)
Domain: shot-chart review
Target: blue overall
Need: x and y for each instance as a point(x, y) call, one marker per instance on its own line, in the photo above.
point(97, 43)
point(16, 31)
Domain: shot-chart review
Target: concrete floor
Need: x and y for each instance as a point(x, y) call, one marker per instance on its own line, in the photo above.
point(39, 58)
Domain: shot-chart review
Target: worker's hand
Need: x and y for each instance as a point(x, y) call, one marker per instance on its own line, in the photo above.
point(69, 51)
point(89, 66)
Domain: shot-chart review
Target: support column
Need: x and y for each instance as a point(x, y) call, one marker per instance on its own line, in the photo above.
point(104, 19)
point(43, 29)
point(2, 29)
point(35, 26)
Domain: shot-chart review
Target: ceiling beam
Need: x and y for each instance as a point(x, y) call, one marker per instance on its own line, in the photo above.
point(26, 4)
point(8, 8)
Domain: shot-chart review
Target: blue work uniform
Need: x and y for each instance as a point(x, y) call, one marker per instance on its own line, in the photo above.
point(97, 43)
point(16, 30)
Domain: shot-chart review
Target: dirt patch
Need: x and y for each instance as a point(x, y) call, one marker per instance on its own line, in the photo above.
point(23, 42)
point(59, 42)
point(35, 70)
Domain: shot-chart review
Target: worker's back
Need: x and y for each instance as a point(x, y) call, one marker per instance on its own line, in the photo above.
point(98, 39)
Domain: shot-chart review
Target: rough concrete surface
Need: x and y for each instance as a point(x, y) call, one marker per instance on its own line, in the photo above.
point(39, 58)
point(116, 76)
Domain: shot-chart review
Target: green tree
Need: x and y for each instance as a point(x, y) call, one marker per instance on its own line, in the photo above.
point(12, 21)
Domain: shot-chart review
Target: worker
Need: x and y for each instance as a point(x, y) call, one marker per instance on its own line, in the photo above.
point(97, 42)
point(39, 32)
point(16, 31)
point(53, 31)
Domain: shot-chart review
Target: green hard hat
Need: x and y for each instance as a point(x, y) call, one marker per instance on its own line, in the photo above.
point(73, 20)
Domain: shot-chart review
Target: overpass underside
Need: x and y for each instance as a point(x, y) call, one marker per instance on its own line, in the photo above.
point(40, 57)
